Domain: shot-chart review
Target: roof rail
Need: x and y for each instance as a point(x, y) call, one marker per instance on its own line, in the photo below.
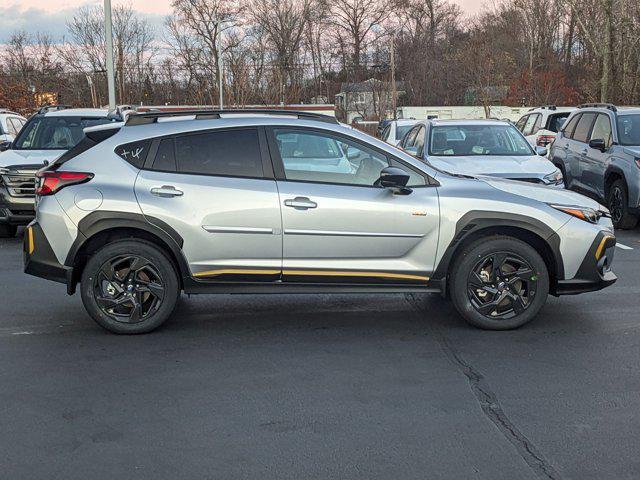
point(4, 110)
point(549, 107)
point(53, 108)
point(152, 117)
point(608, 106)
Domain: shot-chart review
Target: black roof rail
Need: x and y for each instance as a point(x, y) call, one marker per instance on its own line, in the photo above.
point(4, 110)
point(53, 108)
point(145, 118)
point(549, 107)
point(608, 106)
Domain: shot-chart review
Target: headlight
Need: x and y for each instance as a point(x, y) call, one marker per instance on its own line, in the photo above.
point(583, 213)
point(553, 178)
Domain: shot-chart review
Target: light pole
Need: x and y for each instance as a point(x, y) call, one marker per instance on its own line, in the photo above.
point(108, 37)
point(219, 55)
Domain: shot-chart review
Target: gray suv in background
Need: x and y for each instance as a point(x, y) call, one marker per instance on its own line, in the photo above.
point(292, 202)
point(598, 151)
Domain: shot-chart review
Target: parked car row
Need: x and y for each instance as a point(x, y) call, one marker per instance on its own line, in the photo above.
point(593, 149)
point(289, 202)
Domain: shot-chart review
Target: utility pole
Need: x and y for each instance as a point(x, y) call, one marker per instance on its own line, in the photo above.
point(219, 55)
point(394, 91)
point(108, 37)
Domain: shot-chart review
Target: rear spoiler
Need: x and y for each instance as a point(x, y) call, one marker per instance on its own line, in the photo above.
point(92, 137)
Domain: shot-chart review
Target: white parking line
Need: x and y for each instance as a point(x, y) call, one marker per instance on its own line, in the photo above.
point(623, 246)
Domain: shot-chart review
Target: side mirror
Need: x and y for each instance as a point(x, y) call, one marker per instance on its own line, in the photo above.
point(395, 179)
point(542, 151)
point(598, 144)
point(5, 146)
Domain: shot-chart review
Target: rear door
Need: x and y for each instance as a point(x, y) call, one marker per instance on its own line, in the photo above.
point(338, 226)
point(578, 147)
point(216, 189)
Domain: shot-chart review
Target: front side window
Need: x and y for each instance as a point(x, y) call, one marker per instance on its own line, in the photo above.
point(629, 129)
point(602, 130)
point(522, 122)
point(55, 133)
point(233, 153)
point(471, 140)
point(581, 133)
point(321, 157)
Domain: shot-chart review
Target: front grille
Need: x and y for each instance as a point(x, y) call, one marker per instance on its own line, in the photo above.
point(20, 183)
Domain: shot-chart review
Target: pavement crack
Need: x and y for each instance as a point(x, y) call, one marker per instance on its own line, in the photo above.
point(490, 405)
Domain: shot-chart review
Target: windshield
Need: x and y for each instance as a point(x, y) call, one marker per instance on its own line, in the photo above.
point(471, 140)
point(629, 130)
point(54, 133)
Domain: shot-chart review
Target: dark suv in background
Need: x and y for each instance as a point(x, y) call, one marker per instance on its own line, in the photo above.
point(598, 151)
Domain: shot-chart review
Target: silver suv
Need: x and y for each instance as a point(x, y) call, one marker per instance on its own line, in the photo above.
point(274, 201)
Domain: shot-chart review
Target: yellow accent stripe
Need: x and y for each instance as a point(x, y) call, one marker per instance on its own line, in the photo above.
point(334, 273)
point(601, 246)
point(235, 271)
point(31, 242)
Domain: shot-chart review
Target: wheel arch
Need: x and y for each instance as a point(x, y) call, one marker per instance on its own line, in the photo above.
point(476, 225)
point(612, 174)
point(100, 228)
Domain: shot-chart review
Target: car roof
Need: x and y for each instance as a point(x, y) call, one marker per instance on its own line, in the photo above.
point(78, 112)
point(628, 110)
point(487, 121)
point(551, 110)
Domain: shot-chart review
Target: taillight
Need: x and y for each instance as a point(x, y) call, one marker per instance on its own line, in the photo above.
point(50, 182)
point(544, 140)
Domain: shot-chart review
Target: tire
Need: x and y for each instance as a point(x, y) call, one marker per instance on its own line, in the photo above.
point(618, 203)
point(8, 231)
point(138, 270)
point(517, 297)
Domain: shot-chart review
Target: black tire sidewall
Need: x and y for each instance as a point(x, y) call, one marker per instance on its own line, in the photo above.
point(162, 263)
point(628, 220)
point(467, 260)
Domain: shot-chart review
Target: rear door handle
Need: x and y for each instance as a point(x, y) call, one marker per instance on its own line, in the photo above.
point(300, 203)
point(166, 191)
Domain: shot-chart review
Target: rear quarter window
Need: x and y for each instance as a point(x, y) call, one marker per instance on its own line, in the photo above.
point(135, 152)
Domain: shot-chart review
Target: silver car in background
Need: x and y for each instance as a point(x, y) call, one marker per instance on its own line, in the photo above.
point(293, 202)
point(481, 147)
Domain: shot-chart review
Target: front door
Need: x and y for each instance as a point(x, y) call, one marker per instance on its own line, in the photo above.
point(214, 189)
point(339, 227)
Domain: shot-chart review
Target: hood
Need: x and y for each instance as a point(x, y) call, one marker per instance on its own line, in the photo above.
point(635, 151)
point(500, 166)
point(28, 157)
point(542, 193)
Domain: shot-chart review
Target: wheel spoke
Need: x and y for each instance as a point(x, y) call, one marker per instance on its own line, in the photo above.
point(110, 302)
point(523, 273)
point(108, 272)
point(496, 265)
point(154, 288)
point(517, 303)
point(475, 281)
point(489, 307)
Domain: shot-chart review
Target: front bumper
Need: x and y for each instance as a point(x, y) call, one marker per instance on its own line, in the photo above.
point(16, 210)
point(39, 259)
point(595, 270)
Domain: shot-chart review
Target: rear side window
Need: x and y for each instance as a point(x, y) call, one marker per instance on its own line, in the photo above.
point(233, 153)
point(135, 152)
point(165, 159)
point(581, 133)
point(521, 123)
point(567, 131)
point(531, 121)
point(555, 122)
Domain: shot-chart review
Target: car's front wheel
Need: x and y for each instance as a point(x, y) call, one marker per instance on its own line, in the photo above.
point(499, 283)
point(130, 287)
point(618, 203)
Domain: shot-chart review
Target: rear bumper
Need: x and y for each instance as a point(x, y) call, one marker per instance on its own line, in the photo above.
point(39, 259)
point(595, 271)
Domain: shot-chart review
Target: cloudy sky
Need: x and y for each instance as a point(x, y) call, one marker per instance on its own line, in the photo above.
point(50, 15)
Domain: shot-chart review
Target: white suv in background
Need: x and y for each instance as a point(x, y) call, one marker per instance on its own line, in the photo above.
point(396, 130)
point(540, 125)
point(10, 124)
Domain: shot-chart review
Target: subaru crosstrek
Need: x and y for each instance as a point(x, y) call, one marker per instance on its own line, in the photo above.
point(275, 201)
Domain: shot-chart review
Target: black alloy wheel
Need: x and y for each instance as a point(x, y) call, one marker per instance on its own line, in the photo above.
point(129, 288)
point(616, 204)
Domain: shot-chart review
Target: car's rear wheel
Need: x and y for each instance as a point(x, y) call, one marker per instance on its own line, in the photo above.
point(8, 231)
point(499, 283)
point(618, 203)
point(130, 287)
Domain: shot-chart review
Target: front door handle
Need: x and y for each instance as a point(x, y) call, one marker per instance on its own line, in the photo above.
point(166, 191)
point(584, 152)
point(300, 203)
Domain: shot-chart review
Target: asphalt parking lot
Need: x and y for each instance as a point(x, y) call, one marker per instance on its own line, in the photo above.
point(316, 386)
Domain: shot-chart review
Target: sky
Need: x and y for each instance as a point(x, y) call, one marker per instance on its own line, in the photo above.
point(50, 15)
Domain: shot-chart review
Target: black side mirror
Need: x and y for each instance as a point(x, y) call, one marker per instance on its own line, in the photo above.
point(395, 179)
point(5, 146)
point(598, 144)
